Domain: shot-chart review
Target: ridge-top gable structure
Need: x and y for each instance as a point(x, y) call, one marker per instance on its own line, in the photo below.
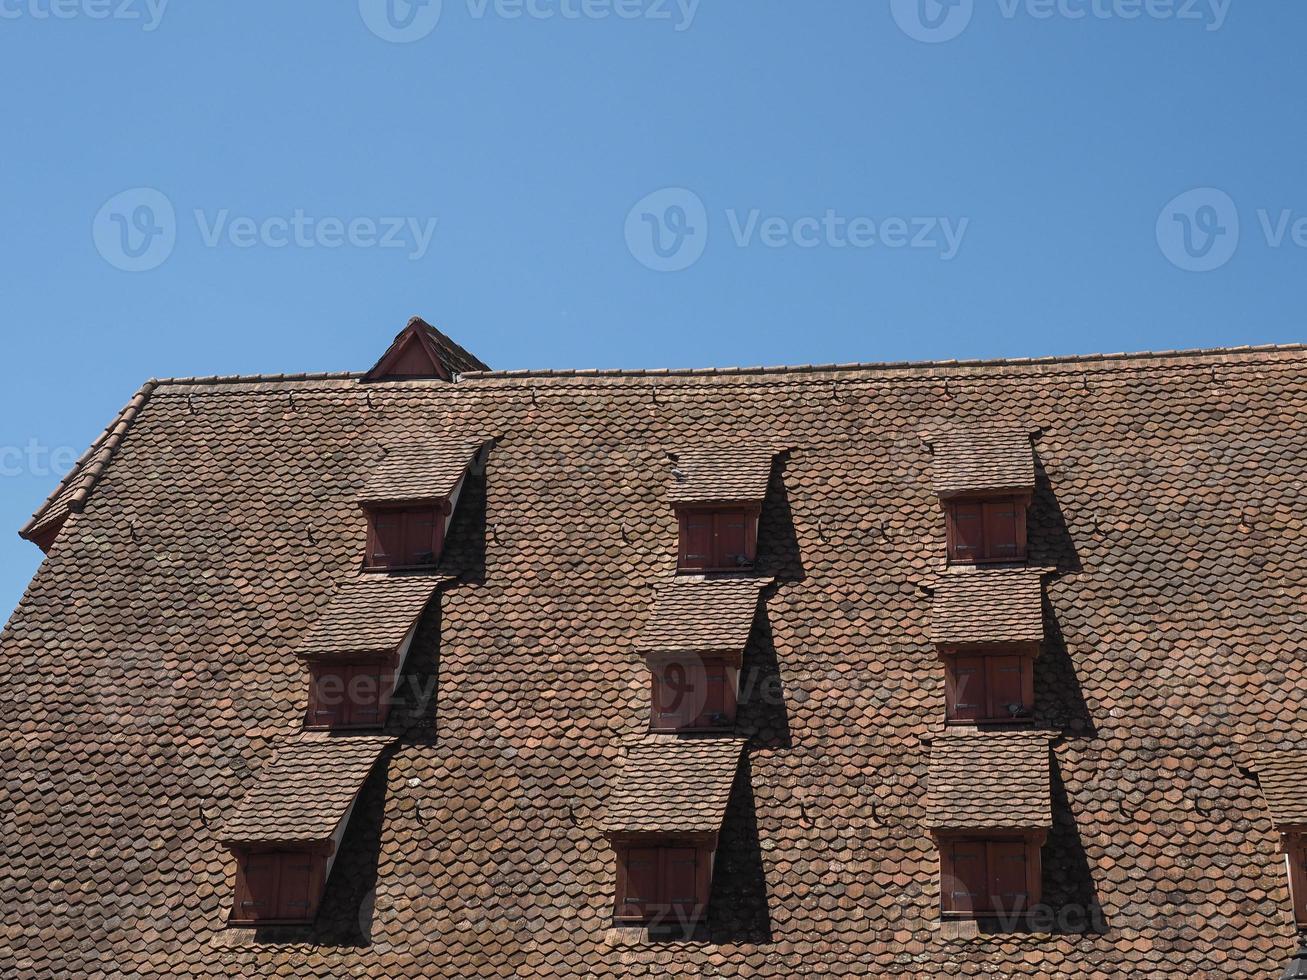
point(155, 676)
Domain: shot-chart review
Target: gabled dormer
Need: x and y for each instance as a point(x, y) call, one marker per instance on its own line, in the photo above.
point(421, 352)
point(410, 497)
point(717, 493)
point(984, 477)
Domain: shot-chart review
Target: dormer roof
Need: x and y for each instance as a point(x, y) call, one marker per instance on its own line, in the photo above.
point(420, 470)
point(720, 474)
point(420, 351)
point(990, 458)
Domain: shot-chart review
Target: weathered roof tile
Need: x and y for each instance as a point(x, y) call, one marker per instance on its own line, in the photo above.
point(989, 780)
point(670, 784)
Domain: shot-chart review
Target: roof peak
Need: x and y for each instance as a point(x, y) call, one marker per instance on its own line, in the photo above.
point(420, 351)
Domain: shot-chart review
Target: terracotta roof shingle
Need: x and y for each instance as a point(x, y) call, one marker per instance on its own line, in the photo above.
point(420, 470)
point(988, 606)
point(673, 785)
point(996, 457)
point(721, 474)
point(302, 793)
point(370, 614)
point(702, 615)
point(989, 780)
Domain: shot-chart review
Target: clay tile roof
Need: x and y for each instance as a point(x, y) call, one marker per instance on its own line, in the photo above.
point(721, 474)
point(421, 470)
point(303, 792)
point(989, 780)
point(369, 614)
point(1283, 780)
point(673, 785)
point(993, 457)
point(988, 606)
point(702, 615)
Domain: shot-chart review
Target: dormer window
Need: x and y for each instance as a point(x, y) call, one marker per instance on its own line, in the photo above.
point(1281, 776)
point(693, 645)
point(288, 827)
point(402, 538)
point(986, 530)
point(693, 694)
point(717, 494)
point(718, 540)
point(984, 477)
point(356, 650)
point(987, 628)
point(1295, 856)
point(409, 501)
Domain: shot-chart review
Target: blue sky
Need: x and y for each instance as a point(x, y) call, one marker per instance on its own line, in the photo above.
point(242, 187)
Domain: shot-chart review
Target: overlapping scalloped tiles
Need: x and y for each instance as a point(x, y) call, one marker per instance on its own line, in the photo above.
point(698, 616)
point(670, 784)
point(150, 668)
point(371, 613)
point(420, 469)
point(989, 780)
point(714, 473)
point(988, 605)
point(985, 457)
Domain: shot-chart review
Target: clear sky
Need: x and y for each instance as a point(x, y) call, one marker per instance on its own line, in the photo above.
point(248, 187)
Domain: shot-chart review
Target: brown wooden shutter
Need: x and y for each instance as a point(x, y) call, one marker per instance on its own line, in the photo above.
point(730, 550)
point(696, 539)
point(327, 699)
point(964, 886)
point(256, 889)
point(680, 892)
point(641, 882)
point(387, 539)
point(1000, 530)
point(671, 705)
point(1297, 862)
point(969, 695)
point(419, 538)
point(1007, 871)
point(364, 694)
point(296, 891)
point(1006, 686)
point(968, 531)
point(714, 713)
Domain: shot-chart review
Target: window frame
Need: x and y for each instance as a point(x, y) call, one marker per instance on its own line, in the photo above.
point(1294, 847)
point(405, 512)
point(956, 659)
point(988, 503)
point(711, 670)
point(354, 714)
point(994, 844)
point(717, 514)
point(662, 910)
point(281, 858)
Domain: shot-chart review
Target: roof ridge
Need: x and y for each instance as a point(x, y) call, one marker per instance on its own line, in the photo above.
point(883, 365)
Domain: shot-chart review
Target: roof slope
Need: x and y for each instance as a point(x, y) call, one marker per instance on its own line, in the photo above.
point(301, 795)
point(721, 474)
point(982, 780)
point(668, 784)
point(150, 671)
